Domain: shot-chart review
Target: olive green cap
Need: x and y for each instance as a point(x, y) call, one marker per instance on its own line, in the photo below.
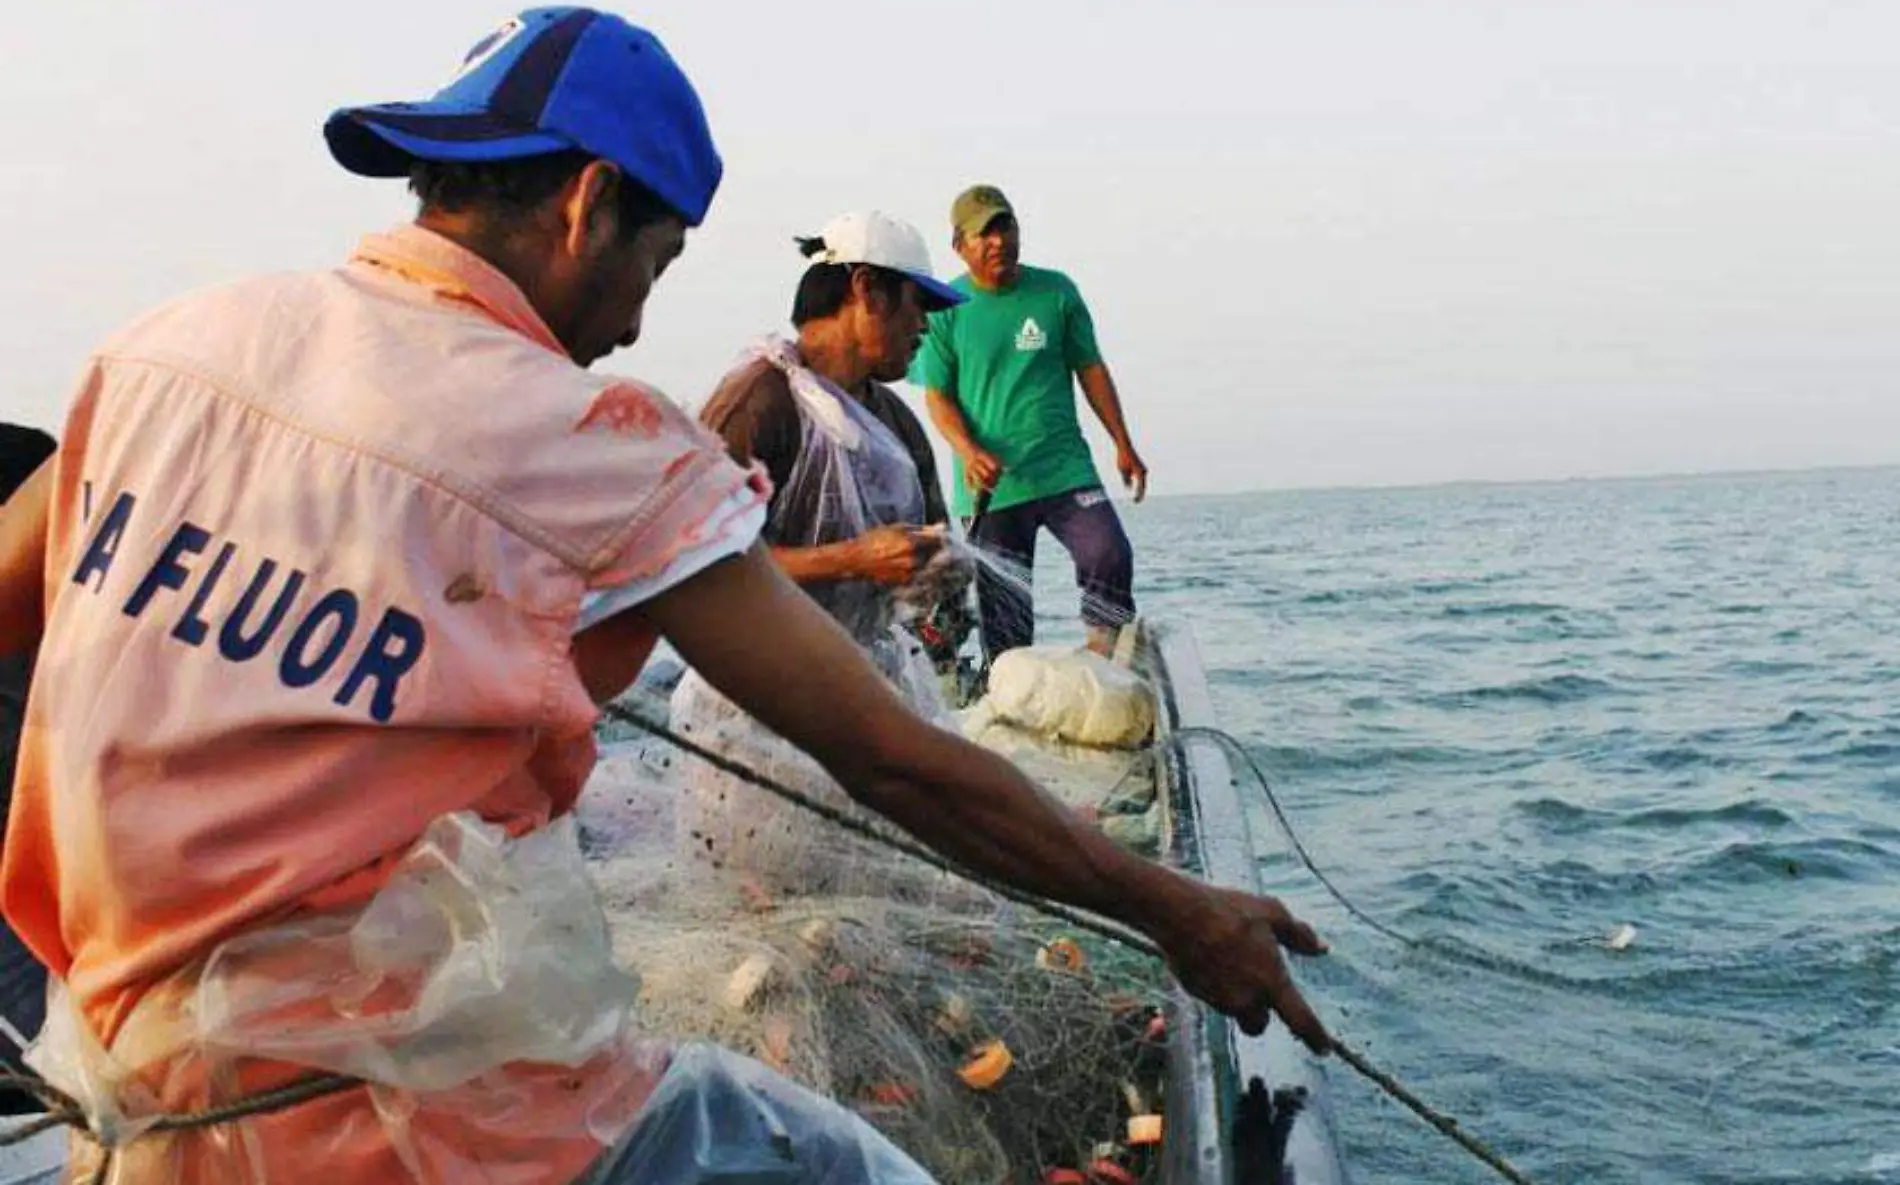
point(975, 208)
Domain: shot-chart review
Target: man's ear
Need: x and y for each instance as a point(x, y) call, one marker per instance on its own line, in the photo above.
point(872, 293)
point(864, 289)
point(589, 210)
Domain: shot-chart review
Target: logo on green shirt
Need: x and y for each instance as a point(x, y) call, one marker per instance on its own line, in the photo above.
point(1009, 358)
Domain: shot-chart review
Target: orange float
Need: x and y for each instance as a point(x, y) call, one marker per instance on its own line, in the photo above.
point(1063, 954)
point(987, 1065)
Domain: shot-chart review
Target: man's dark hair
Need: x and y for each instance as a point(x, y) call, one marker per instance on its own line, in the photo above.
point(515, 187)
point(826, 286)
point(22, 450)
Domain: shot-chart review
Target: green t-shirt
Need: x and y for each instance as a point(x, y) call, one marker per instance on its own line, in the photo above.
point(1009, 360)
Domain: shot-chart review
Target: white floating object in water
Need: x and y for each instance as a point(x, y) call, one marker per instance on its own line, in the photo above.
point(1621, 937)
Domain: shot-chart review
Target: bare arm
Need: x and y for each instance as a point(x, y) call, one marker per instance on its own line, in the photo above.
point(807, 565)
point(1098, 387)
point(812, 686)
point(948, 418)
point(980, 466)
point(888, 555)
point(23, 522)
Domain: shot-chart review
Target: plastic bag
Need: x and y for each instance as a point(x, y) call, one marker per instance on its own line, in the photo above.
point(718, 1117)
point(475, 993)
point(497, 949)
point(852, 474)
point(1070, 695)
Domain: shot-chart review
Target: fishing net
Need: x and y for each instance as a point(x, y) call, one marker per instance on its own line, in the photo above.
point(989, 1042)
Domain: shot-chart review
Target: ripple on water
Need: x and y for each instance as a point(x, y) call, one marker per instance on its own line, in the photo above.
point(1553, 691)
point(1566, 818)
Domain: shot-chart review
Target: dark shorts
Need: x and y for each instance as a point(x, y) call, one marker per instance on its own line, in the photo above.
point(1084, 522)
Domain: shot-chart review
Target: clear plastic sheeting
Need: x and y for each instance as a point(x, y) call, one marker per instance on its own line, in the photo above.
point(718, 1117)
point(494, 950)
point(478, 996)
point(852, 474)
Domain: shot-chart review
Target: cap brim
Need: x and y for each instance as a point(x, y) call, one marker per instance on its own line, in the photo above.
point(936, 295)
point(980, 221)
point(387, 141)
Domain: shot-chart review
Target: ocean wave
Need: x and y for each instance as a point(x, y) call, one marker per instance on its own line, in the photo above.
point(1793, 720)
point(1879, 753)
point(1566, 818)
point(1289, 760)
point(1761, 668)
point(1502, 609)
point(1557, 689)
point(1836, 858)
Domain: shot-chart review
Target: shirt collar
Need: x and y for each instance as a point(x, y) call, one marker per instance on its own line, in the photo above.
point(454, 273)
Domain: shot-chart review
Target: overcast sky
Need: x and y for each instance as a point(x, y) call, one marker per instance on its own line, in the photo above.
point(1338, 243)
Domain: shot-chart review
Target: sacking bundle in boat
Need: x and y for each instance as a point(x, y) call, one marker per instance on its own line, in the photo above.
point(1070, 695)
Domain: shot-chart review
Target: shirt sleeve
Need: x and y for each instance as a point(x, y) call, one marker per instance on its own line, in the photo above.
point(754, 412)
point(747, 520)
point(910, 430)
point(935, 367)
point(1078, 330)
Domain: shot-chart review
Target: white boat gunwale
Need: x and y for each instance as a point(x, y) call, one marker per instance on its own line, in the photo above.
point(1241, 1110)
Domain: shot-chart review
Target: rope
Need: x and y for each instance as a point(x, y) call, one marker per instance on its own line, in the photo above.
point(1469, 954)
point(1347, 1054)
point(1444, 1123)
point(1096, 925)
point(63, 1109)
point(1228, 742)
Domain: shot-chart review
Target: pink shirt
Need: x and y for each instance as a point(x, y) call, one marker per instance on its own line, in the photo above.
point(317, 549)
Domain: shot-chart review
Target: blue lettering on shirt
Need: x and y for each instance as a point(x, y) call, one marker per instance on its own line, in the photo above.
point(318, 638)
point(105, 543)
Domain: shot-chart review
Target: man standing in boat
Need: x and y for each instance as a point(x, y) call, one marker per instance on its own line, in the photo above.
point(392, 546)
point(999, 374)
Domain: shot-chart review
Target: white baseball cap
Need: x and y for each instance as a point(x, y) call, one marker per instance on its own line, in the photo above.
point(876, 238)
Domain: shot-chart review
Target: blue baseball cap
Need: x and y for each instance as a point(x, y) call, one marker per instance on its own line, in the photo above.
point(550, 80)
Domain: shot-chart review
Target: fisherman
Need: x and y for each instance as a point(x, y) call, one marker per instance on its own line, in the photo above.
point(22, 978)
point(358, 588)
point(856, 518)
point(857, 513)
point(999, 374)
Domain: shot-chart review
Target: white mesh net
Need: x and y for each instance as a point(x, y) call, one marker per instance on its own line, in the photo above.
point(987, 1041)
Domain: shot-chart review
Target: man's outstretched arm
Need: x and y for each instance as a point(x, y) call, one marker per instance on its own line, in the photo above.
point(767, 646)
